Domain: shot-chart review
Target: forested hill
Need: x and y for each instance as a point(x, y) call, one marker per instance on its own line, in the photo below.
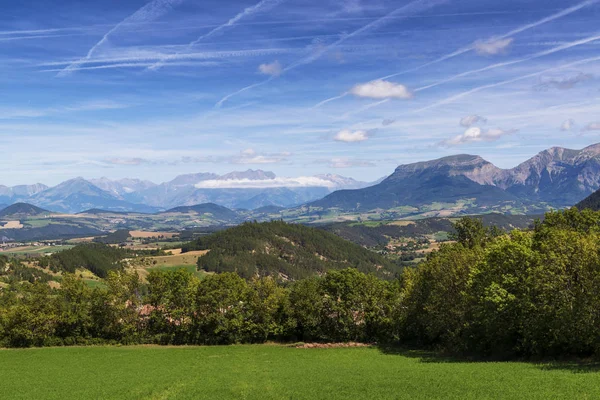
point(592, 202)
point(283, 250)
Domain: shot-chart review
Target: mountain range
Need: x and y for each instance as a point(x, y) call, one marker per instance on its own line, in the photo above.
point(554, 178)
point(249, 189)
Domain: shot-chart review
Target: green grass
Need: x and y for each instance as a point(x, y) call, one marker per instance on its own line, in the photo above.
point(277, 372)
point(93, 283)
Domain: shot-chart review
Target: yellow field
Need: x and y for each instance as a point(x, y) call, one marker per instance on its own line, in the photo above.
point(147, 234)
point(189, 258)
point(13, 225)
point(402, 223)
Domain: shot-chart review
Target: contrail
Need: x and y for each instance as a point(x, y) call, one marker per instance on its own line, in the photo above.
point(464, 50)
point(506, 82)
point(412, 7)
point(149, 12)
point(505, 64)
point(247, 12)
point(523, 28)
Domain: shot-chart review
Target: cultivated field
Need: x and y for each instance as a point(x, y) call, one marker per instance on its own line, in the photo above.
point(277, 372)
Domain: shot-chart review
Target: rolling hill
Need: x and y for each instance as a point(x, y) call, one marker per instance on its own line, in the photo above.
point(591, 202)
point(210, 209)
point(286, 251)
point(20, 210)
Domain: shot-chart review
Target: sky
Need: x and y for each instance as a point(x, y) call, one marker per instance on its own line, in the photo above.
point(153, 89)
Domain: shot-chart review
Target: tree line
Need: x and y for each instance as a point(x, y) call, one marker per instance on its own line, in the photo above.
point(531, 292)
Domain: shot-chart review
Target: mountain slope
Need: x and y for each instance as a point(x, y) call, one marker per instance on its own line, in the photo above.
point(556, 177)
point(591, 202)
point(77, 195)
point(440, 181)
point(20, 210)
point(14, 194)
point(288, 251)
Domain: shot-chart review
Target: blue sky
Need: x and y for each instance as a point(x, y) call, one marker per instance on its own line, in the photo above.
point(152, 89)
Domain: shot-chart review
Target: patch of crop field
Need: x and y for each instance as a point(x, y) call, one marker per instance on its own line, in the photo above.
point(12, 225)
point(182, 259)
point(148, 235)
point(403, 223)
point(38, 223)
point(279, 372)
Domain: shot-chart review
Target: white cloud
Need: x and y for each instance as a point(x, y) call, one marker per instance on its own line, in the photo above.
point(476, 134)
point(593, 126)
point(348, 136)
point(472, 120)
point(492, 46)
point(568, 125)
point(381, 89)
point(302, 181)
point(272, 69)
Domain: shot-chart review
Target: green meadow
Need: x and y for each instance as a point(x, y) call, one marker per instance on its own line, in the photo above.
point(280, 372)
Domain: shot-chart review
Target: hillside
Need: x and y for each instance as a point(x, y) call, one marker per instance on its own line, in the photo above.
point(380, 234)
point(209, 209)
point(288, 251)
point(19, 210)
point(439, 181)
point(556, 177)
point(592, 202)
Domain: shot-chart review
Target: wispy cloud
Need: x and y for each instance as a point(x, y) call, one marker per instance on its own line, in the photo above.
point(513, 62)
point(592, 126)
point(396, 15)
point(472, 120)
point(451, 99)
point(344, 162)
point(463, 50)
point(262, 6)
point(151, 11)
point(250, 156)
point(562, 83)
point(567, 125)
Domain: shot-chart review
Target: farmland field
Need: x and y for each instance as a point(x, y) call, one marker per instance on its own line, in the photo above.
point(278, 372)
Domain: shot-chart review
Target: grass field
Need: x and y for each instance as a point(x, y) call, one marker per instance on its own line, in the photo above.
point(277, 372)
point(190, 268)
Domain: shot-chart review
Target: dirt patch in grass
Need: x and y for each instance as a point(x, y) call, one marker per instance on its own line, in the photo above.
point(332, 345)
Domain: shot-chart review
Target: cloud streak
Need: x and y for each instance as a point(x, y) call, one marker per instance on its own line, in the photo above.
point(149, 12)
point(461, 51)
point(398, 14)
point(262, 6)
point(506, 82)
